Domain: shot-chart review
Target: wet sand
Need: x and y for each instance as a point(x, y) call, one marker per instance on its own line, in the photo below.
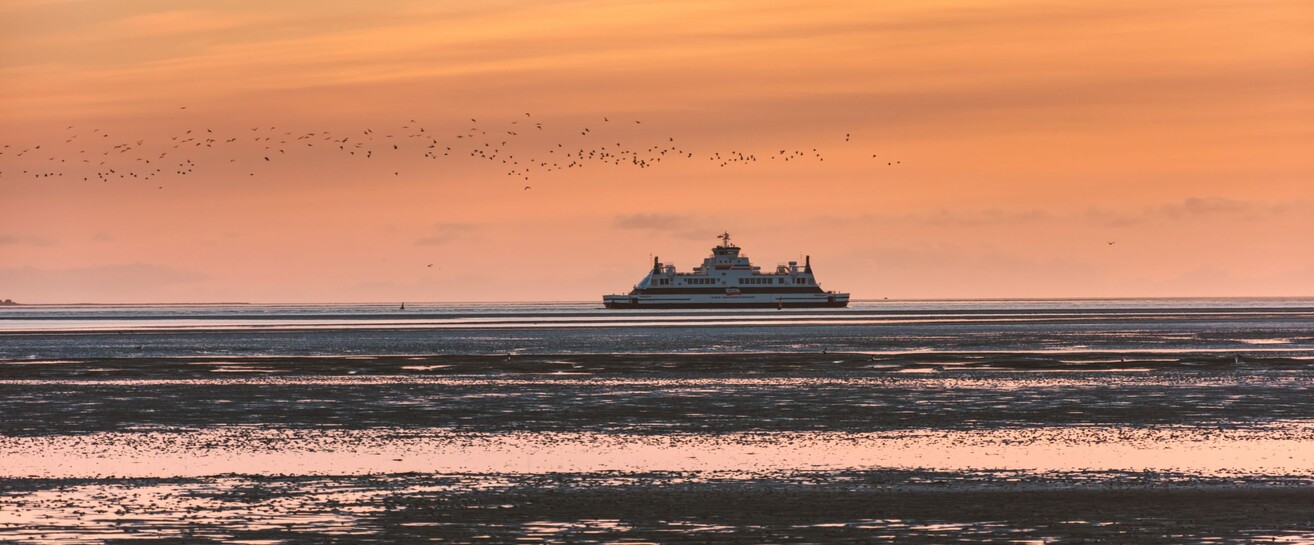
point(657, 394)
point(883, 506)
point(928, 448)
point(1037, 423)
point(1280, 448)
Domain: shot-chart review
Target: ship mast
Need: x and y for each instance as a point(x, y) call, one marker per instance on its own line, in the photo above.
point(725, 239)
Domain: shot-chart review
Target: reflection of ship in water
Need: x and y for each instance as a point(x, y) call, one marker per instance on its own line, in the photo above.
point(727, 279)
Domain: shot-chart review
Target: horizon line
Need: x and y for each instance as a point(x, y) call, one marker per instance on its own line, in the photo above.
point(578, 301)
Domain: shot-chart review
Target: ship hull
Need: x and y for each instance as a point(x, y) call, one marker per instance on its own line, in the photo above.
point(761, 300)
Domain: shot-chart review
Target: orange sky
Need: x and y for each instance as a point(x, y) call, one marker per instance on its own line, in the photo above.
point(1027, 134)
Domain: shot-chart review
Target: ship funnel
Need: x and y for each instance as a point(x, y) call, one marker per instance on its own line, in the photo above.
point(656, 265)
point(807, 264)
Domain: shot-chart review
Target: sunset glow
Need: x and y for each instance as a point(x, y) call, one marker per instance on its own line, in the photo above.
point(936, 149)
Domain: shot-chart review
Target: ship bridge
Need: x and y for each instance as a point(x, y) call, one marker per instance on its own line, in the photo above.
point(725, 248)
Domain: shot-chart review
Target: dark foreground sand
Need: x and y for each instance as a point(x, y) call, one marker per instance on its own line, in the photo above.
point(875, 506)
point(290, 406)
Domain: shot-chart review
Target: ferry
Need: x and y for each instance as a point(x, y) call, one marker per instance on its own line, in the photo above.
point(727, 279)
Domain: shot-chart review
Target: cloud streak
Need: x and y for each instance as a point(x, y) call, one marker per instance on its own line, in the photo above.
point(445, 233)
point(1194, 209)
point(15, 240)
point(658, 222)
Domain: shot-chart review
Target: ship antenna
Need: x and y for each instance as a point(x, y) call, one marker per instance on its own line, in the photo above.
point(725, 239)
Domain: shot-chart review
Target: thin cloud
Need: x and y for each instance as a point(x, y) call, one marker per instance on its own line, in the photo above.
point(680, 226)
point(1214, 206)
point(990, 216)
point(1199, 208)
point(16, 240)
point(656, 222)
point(445, 233)
point(945, 217)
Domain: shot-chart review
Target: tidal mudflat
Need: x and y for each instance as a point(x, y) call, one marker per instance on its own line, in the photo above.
point(1065, 421)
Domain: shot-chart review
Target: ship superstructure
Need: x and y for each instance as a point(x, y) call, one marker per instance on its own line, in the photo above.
point(727, 279)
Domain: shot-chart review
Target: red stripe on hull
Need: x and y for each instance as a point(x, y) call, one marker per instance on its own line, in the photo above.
point(816, 304)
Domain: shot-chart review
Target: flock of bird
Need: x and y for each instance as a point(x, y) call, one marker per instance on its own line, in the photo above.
point(523, 147)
